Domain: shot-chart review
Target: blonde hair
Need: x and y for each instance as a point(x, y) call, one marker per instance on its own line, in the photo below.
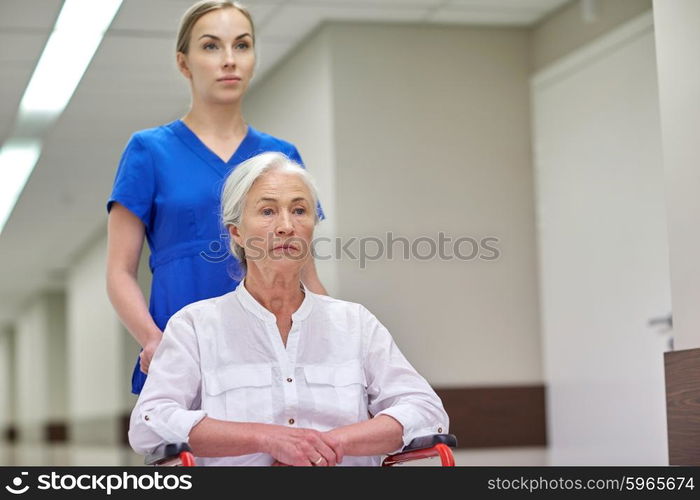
point(242, 178)
point(198, 10)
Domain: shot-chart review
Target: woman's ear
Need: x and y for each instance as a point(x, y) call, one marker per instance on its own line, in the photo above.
point(182, 65)
point(235, 234)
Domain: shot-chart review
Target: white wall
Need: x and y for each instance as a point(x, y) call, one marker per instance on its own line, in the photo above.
point(7, 381)
point(603, 250)
point(39, 374)
point(574, 25)
point(57, 362)
point(97, 381)
point(432, 134)
point(7, 377)
point(31, 362)
point(677, 29)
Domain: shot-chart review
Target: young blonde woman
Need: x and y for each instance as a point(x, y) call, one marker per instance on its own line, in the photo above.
point(168, 184)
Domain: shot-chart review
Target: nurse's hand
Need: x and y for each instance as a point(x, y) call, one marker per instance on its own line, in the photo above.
point(147, 354)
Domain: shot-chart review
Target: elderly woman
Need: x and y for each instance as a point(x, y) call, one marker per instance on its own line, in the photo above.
point(272, 373)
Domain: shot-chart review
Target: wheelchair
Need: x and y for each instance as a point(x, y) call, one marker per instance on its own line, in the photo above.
point(433, 445)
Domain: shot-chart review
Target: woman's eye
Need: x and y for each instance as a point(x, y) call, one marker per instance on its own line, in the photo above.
point(243, 46)
point(209, 46)
point(300, 211)
point(267, 211)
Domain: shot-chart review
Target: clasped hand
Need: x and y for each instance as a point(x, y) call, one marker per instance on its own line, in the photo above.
point(303, 447)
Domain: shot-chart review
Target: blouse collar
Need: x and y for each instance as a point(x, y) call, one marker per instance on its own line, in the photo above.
point(251, 304)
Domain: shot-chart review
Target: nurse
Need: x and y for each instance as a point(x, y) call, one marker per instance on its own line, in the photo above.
point(168, 183)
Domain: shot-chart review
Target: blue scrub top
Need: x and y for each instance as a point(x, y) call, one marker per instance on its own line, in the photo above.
point(172, 181)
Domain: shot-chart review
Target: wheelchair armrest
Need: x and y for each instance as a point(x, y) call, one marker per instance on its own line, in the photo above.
point(167, 453)
point(434, 445)
point(431, 440)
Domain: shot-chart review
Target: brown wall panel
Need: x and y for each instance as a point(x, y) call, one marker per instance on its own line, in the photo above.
point(491, 417)
point(682, 369)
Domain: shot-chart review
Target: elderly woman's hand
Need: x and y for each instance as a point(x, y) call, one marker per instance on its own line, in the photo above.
point(302, 447)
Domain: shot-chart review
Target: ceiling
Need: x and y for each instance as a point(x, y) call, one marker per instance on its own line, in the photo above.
point(132, 84)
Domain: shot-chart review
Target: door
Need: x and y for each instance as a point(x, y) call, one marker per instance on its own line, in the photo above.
point(603, 252)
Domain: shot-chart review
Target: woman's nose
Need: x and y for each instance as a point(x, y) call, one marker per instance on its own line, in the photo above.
point(229, 59)
point(284, 225)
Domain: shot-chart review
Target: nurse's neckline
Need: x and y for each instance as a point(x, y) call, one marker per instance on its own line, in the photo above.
point(194, 134)
point(189, 127)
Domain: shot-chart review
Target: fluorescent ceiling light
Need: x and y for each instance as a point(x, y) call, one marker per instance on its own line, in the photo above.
point(17, 160)
point(78, 32)
point(79, 29)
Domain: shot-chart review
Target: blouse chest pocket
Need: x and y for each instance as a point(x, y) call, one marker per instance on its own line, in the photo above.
point(240, 393)
point(338, 393)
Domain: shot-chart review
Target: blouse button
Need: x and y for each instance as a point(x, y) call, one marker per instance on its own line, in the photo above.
point(289, 379)
point(147, 417)
point(291, 421)
point(439, 430)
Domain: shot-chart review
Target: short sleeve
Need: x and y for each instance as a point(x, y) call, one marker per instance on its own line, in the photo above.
point(134, 184)
point(295, 156)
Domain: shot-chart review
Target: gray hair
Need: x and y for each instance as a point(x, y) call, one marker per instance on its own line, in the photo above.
point(239, 182)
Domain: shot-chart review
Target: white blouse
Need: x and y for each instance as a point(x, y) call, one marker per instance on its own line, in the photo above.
point(224, 357)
